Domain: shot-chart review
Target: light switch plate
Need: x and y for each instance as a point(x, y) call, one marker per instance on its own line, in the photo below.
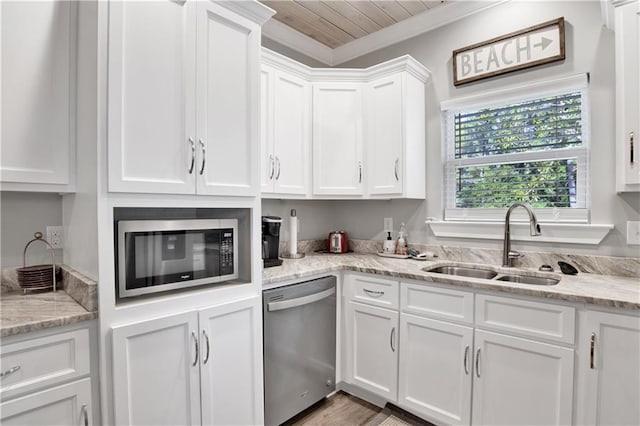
point(633, 232)
point(388, 224)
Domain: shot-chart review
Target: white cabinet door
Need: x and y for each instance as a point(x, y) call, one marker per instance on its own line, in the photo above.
point(435, 369)
point(231, 349)
point(38, 77)
point(610, 378)
point(338, 167)
point(291, 133)
point(151, 129)
point(156, 377)
point(385, 133)
point(521, 382)
point(372, 355)
point(228, 102)
point(66, 405)
point(627, 25)
point(267, 159)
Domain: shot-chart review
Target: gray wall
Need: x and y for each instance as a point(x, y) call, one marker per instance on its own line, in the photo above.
point(589, 48)
point(22, 214)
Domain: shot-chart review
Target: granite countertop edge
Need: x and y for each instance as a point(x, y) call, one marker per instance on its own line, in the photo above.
point(602, 290)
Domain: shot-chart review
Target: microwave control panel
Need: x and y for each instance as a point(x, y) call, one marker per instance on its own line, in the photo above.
point(226, 251)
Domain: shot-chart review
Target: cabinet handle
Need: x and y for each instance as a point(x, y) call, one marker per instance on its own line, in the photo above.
point(206, 358)
point(360, 172)
point(631, 137)
point(195, 340)
point(592, 350)
point(85, 414)
point(204, 155)
point(373, 293)
point(395, 170)
point(278, 168)
point(271, 167)
point(478, 363)
point(466, 358)
point(392, 339)
point(10, 371)
point(193, 155)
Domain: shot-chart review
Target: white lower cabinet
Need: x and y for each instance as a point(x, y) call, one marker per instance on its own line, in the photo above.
point(435, 369)
point(169, 370)
point(521, 382)
point(45, 380)
point(609, 382)
point(372, 354)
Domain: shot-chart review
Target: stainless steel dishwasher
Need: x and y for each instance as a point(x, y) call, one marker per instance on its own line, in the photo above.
point(299, 324)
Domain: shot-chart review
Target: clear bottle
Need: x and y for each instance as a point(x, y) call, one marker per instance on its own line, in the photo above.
point(401, 246)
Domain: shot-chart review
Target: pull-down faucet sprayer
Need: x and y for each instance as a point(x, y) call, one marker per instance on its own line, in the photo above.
point(507, 254)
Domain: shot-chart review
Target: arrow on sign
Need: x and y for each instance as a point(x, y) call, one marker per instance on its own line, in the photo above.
point(544, 42)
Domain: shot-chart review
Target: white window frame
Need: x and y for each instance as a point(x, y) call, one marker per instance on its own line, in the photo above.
point(574, 83)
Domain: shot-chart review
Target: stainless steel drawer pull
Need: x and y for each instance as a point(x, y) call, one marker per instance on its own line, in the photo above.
point(195, 340)
point(395, 170)
point(206, 358)
point(393, 339)
point(631, 159)
point(272, 168)
point(478, 363)
point(193, 155)
point(373, 293)
point(85, 414)
point(277, 167)
point(360, 172)
point(466, 358)
point(10, 371)
point(592, 349)
point(204, 155)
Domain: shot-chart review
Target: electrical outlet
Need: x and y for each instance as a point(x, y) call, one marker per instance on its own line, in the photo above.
point(388, 224)
point(54, 236)
point(633, 232)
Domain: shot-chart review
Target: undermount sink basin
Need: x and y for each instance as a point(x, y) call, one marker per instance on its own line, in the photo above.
point(522, 279)
point(463, 271)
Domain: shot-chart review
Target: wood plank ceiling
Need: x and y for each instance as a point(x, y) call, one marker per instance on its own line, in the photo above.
point(337, 22)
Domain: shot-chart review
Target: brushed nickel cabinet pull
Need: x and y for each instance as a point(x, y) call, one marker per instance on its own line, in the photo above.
point(478, 363)
point(373, 293)
point(195, 340)
point(277, 168)
point(392, 339)
point(395, 170)
point(360, 172)
point(592, 349)
point(85, 414)
point(10, 371)
point(204, 155)
point(193, 155)
point(271, 167)
point(206, 358)
point(631, 137)
point(466, 358)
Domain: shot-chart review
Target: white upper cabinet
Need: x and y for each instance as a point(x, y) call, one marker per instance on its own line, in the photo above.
point(395, 139)
point(337, 139)
point(183, 106)
point(627, 27)
point(286, 132)
point(38, 91)
point(342, 133)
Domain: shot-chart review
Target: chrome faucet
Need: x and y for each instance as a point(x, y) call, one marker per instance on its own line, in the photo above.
point(507, 254)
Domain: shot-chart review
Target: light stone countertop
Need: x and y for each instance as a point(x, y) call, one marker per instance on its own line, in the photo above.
point(20, 313)
point(603, 290)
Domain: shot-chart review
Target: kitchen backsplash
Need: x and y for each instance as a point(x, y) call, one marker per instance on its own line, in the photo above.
point(603, 265)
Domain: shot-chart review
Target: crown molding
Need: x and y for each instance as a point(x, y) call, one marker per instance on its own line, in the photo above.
point(393, 34)
point(253, 10)
point(401, 64)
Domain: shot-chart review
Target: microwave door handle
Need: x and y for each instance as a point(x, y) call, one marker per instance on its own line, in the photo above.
point(300, 301)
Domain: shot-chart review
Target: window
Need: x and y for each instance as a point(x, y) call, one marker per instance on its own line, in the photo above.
point(527, 144)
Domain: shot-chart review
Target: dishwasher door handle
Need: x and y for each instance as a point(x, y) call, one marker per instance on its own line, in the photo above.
point(305, 300)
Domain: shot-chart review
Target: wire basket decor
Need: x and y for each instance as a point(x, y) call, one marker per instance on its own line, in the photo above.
point(38, 277)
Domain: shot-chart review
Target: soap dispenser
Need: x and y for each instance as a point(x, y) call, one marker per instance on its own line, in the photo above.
point(389, 246)
point(401, 246)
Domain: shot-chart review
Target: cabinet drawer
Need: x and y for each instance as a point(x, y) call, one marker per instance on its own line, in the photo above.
point(436, 302)
point(45, 361)
point(526, 318)
point(373, 291)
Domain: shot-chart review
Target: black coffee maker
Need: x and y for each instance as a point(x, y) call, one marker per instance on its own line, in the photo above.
point(271, 241)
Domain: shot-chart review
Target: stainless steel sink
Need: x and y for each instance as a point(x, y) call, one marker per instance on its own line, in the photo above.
point(463, 271)
point(522, 279)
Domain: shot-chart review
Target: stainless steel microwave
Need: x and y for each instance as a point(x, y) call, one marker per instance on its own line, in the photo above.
point(161, 255)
